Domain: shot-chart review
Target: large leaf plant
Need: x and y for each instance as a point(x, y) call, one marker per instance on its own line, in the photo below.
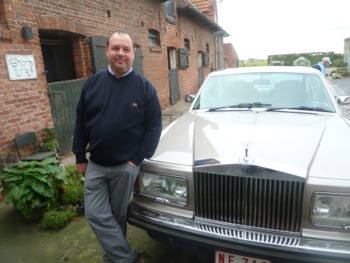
point(33, 185)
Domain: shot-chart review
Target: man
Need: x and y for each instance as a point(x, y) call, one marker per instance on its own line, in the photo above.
point(322, 65)
point(119, 123)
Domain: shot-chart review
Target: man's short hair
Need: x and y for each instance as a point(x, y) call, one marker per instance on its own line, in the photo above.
point(121, 32)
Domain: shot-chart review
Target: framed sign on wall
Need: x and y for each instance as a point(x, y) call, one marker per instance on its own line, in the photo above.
point(21, 66)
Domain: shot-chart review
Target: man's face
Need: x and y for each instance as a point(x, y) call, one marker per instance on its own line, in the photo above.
point(120, 53)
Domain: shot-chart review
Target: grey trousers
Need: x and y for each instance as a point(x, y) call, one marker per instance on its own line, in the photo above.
point(107, 191)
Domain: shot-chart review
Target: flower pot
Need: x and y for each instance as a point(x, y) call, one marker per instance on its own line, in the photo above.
point(35, 214)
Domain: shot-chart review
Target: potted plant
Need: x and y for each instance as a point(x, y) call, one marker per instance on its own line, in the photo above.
point(32, 186)
point(49, 140)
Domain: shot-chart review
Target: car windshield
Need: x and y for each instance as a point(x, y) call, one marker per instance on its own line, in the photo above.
point(273, 91)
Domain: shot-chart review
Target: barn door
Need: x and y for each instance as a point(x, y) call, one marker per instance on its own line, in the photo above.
point(138, 63)
point(200, 69)
point(64, 97)
point(173, 77)
point(98, 53)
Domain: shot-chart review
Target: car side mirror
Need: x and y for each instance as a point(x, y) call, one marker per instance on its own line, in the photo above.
point(189, 97)
point(343, 99)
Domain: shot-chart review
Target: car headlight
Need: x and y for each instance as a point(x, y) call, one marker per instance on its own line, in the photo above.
point(167, 189)
point(331, 210)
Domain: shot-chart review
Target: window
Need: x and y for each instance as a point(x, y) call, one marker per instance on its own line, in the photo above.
point(199, 59)
point(171, 58)
point(206, 56)
point(187, 44)
point(153, 37)
point(58, 56)
point(170, 11)
point(183, 58)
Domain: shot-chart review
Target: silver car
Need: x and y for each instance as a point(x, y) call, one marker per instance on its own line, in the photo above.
point(258, 170)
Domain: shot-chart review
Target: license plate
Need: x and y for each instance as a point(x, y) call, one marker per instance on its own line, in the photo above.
point(223, 257)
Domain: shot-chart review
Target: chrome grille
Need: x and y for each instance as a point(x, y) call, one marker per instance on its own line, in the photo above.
point(250, 235)
point(260, 202)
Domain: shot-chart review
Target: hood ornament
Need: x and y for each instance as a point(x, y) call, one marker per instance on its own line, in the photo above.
point(246, 146)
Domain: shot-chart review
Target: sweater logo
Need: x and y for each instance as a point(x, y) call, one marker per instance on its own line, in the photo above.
point(134, 105)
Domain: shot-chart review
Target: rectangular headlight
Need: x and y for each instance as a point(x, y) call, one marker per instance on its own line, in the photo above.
point(331, 210)
point(166, 189)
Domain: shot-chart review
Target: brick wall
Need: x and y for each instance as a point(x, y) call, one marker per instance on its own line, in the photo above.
point(25, 104)
point(231, 56)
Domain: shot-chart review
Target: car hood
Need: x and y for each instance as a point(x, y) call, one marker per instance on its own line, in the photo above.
point(298, 143)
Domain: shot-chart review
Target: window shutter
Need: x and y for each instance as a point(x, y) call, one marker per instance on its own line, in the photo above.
point(206, 59)
point(170, 10)
point(98, 53)
point(183, 58)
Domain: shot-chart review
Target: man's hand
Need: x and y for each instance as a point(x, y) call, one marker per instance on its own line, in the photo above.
point(131, 163)
point(81, 167)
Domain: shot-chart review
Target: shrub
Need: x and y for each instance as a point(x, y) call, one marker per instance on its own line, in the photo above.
point(340, 72)
point(33, 185)
point(56, 219)
point(73, 193)
point(49, 142)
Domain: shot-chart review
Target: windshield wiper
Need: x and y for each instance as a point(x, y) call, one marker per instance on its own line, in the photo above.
point(242, 105)
point(306, 108)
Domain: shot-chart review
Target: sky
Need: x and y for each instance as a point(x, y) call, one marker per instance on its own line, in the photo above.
point(259, 28)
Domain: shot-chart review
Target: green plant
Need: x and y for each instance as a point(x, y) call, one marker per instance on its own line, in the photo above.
point(73, 193)
point(8, 159)
point(72, 172)
point(9, 155)
point(56, 219)
point(49, 141)
point(342, 71)
point(32, 185)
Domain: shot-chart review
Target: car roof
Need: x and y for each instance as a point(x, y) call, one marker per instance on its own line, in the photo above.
point(268, 69)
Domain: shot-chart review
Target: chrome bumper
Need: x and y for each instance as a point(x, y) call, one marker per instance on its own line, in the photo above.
point(229, 238)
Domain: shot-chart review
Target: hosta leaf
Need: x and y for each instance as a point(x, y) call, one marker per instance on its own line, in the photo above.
point(37, 203)
point(19, 191)
point(49, 161)
point(10, 177)
point(38, 187)
point(40, 177)
point(27, 164)
point(36, 170)
point(43, 189)
point(21, 204)
point(10, 170)
point(30, 196)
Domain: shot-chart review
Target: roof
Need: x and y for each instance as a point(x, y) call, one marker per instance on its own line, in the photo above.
point(202, 5)
point(187, 7)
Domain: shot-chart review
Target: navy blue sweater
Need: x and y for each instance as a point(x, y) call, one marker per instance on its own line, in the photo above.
point(118, 119)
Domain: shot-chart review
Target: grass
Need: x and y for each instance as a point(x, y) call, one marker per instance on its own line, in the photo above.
point(253, 64)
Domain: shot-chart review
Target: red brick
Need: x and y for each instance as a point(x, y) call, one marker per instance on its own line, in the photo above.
point(25, 105)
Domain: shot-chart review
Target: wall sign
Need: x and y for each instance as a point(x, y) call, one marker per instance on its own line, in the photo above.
point(21, 66)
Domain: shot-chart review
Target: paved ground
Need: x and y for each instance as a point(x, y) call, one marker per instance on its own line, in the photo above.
point(23, 242)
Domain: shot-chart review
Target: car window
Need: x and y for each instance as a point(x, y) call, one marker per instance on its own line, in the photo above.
point(289, 90)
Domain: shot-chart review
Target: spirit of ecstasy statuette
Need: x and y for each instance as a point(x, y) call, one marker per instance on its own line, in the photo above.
point(246, 145)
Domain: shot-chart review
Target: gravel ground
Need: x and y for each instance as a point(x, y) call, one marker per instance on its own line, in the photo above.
point(342, 87)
